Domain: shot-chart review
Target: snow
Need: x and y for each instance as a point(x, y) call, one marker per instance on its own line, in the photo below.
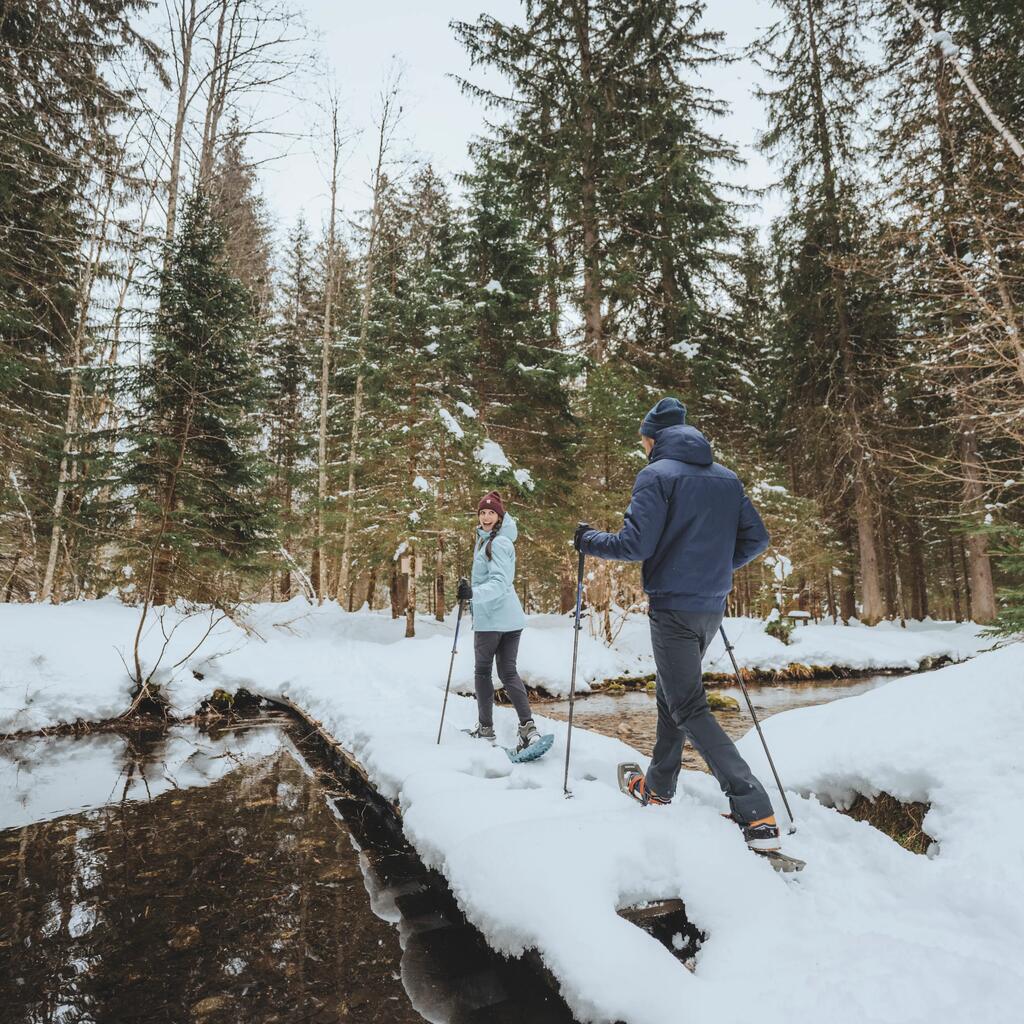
point(451, 423)
point(422, 485)
point(467, 410)
point(524, 479)
point(944, 41)
point(84, 676)
point(490, 454)
point(494, 286)
point(690, 349)
point(868, 932)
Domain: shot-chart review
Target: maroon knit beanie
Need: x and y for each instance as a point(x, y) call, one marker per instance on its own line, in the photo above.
point(493, 502)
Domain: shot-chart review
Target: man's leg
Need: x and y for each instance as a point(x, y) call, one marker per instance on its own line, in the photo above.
point(679, 640)
point(668, 750)
point(484, 646)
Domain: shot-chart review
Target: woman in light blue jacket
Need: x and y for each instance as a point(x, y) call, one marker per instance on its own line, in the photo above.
point(498, 619)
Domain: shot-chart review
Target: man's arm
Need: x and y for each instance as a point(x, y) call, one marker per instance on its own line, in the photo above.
point(641, 531)
point(751, 535)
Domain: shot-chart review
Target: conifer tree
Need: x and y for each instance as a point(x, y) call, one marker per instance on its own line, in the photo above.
point(291, 370)
point(195, 462)
point(419, 448)
point(61, 105)
point(814, 57)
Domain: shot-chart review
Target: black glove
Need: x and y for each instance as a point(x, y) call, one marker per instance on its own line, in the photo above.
point(577, 537)
point(465, 591)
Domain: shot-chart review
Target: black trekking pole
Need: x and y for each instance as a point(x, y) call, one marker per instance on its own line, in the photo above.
point(757, 725)
point(451, 664)
point(572, 679)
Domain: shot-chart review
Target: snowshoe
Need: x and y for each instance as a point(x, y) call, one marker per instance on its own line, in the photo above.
point(633, 784)
point(781, 861)
point(762, 838)
point(531, 744)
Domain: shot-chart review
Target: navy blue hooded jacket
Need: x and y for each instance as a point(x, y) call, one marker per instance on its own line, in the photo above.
point(690, 523)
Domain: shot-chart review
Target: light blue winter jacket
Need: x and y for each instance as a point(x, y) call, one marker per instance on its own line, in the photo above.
point(495, 605)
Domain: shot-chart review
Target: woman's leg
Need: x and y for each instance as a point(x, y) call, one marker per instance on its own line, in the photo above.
point(484, 646)
point(507, 649)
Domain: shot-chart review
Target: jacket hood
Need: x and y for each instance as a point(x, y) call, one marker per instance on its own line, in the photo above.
point(508, 529)
point(683, 444)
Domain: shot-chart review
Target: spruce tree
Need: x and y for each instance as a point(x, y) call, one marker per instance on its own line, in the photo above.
point(291, 368)
point(814, 57)
point(61, 108)
point(204, 522)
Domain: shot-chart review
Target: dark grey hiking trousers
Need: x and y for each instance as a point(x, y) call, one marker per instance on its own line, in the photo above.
point(504, 647)
point(679, 640)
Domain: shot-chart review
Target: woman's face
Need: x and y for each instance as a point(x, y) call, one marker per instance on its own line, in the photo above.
point(488, 517)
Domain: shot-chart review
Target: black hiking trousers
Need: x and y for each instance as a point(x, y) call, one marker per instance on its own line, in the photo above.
point(488, 646)
point(679, 640)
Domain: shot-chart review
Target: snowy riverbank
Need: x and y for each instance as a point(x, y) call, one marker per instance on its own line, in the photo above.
point(67, 662)
point(868, 932)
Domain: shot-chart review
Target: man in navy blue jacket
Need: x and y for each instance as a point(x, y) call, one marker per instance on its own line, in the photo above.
point(691, 524)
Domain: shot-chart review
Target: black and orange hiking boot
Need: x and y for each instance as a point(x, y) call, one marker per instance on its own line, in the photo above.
point(633, 783)
point(762, 835)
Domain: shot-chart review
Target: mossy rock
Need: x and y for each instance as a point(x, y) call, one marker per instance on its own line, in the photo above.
point(722, 702)
point(615, 688)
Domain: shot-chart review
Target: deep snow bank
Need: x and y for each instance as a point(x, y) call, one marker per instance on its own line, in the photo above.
point(62, 663)
point(953, 738)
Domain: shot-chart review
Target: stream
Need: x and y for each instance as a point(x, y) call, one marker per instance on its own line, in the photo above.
point(633, 717)
point(181, 875)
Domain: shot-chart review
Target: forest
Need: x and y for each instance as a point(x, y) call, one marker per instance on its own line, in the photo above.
point(199, 405)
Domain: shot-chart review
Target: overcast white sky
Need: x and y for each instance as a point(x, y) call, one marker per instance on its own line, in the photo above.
point(360, 40)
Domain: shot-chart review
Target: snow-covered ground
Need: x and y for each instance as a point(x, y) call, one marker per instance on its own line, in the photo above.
point(67, 662)
point(868, 932)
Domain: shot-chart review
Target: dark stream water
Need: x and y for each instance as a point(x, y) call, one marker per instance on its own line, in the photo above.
point(632, 716)
point(181, 876)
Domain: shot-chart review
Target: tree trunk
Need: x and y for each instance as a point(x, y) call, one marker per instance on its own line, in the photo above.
point(917, 569)
point(954, 581)
point(981, 603)
point(439, 600)
point(383, 138)
point(410, 604)
point(566, 593)
point(593, 333)
point(983, 598)
point(399, 592)
point(371, 587)
point(187, 24)
point(216, 96)
point(320, 576)
point(864, 500)
point(968, 596)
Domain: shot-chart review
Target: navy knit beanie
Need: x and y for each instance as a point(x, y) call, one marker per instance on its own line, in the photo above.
point(669, 412)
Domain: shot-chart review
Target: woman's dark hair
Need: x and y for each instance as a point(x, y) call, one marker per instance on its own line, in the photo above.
point(494, 533)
